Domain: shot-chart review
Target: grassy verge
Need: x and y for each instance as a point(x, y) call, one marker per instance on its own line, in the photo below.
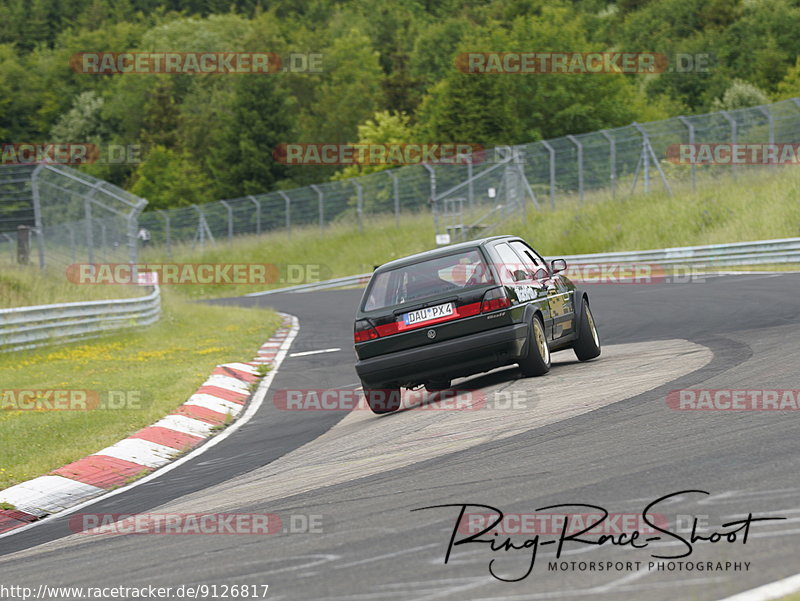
point(162, 365)
point(23, 286)
point(757, 205)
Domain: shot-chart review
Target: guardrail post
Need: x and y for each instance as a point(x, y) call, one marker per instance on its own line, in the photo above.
point(690, 127)
point(579, 146)
point(320, 205)
point(23, 244)
point(167, 232)
point(552, 152)
point(612, 159)
point(287, 211)
point(396, 195)
point(734, 131)
point(229, 209)
point(359, 204)
point(258, 213)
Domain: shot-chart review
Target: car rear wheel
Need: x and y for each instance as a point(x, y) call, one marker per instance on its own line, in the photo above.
point(437, 386)
point(382, 400)
point(536, 361)
point(588, 344)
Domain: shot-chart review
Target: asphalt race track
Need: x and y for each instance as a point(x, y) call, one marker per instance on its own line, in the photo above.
point(598, 433)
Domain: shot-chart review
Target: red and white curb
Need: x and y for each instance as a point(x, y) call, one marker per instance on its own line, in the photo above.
point(222, 398)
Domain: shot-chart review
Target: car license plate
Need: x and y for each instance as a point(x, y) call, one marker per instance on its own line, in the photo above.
point(428, 314)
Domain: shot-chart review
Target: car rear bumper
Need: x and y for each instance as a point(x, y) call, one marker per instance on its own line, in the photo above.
point(445, 360)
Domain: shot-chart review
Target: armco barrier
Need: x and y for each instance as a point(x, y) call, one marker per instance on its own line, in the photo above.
point(29, 327)
point(761, 252)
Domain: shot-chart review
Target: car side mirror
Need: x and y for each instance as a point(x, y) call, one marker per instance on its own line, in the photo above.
point(558, 265)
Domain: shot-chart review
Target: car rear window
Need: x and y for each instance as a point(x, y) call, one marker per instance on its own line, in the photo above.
point(451, 273)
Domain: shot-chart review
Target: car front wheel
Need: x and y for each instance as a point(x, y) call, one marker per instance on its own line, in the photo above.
point(587, 346)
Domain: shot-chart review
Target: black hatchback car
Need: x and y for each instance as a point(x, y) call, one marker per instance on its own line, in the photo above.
point(466, 309)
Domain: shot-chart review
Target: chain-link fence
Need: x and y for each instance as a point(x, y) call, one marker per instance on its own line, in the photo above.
point(71, 217)
point(76, 217)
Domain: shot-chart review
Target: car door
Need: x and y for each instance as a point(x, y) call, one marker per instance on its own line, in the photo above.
point(517, 273)
point(559, 294)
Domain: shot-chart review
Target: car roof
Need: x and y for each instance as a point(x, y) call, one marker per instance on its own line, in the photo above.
point(440, 252)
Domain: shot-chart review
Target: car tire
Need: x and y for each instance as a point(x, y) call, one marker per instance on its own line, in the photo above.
point(382, 399)
point(437, 386)
point(587, 346)
point(536, 361)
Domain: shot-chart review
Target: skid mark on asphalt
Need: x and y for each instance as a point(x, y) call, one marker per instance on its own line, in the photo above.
point(363, 444)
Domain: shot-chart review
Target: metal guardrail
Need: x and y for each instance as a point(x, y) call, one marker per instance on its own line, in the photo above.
point(761, 252)
point(31, 327)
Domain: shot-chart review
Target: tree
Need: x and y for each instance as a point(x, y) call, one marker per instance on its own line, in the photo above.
point(739, 95)
point(247, 134)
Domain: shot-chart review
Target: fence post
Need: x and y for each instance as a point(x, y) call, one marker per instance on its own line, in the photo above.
point(690, 127)
point(470, 187)
point(396, 194)
point(287, 210)
point(612, 159)
point(229, 209)
point(359, 204)
point(579, 146)
point(258, 213)
point(37, 213)
point(167, 233)
point(771, 122)
point(552, 152)
point(433, 201)
point(320, 198)
point(734, 131)
point(23, 244)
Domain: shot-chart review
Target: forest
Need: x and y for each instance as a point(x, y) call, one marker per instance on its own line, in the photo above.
point(385, 72)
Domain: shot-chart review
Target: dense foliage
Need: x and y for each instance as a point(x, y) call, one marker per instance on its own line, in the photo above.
point(388, 74)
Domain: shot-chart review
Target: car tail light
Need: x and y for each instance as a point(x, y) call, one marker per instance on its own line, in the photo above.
point(495, 299)
point(364, 331)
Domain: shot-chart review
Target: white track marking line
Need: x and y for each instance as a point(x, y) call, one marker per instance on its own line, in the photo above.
point(252, 409)
point(773, 590)
point(306, 353)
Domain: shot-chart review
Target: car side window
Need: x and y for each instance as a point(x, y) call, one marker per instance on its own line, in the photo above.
point(527, 251)
point(510, 263)
point(528, 259)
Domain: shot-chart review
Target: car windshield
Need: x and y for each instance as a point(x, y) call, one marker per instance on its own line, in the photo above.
point(451, 273)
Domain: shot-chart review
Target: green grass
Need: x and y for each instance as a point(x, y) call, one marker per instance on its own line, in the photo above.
point(793, 597)
point(22, 286)
point(163, 363)
point(757, 205)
